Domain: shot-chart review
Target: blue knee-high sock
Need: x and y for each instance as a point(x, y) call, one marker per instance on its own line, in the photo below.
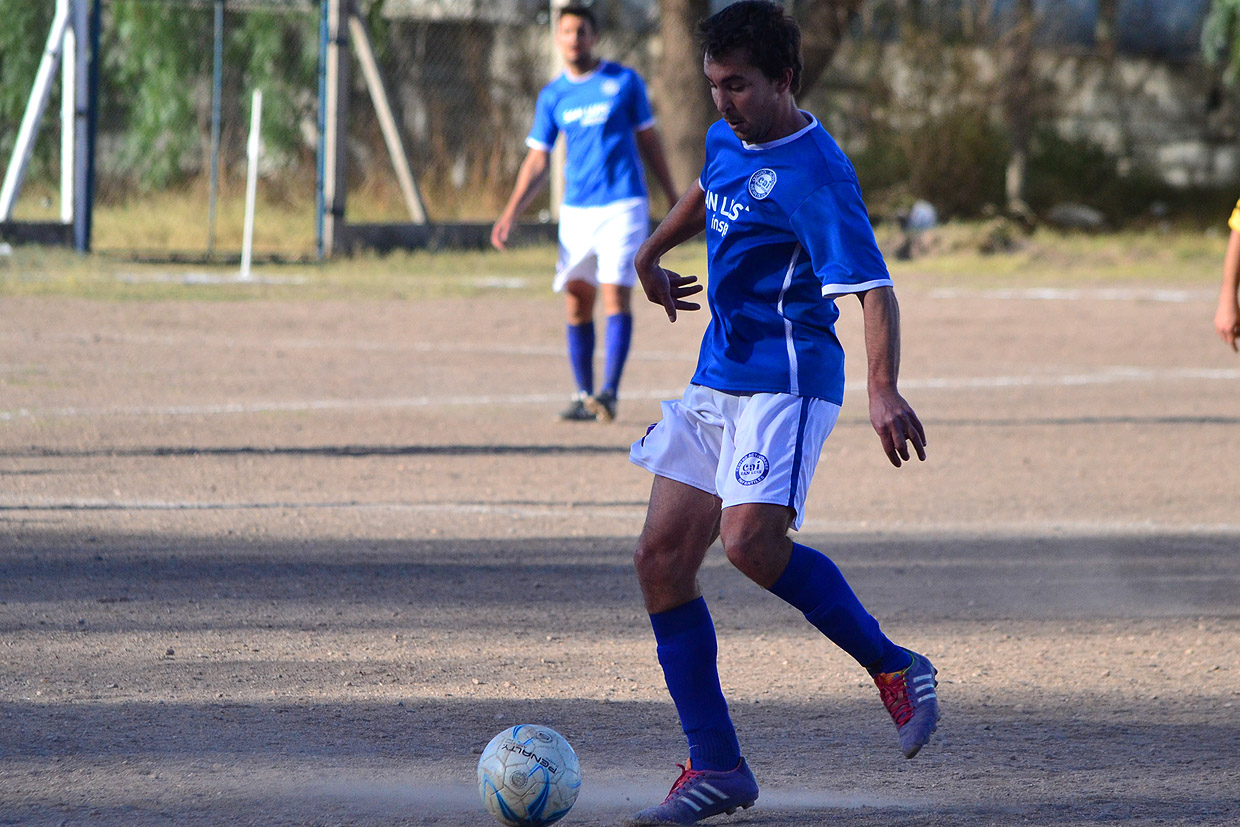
point(687, 651)
point(815, 585)
point(619, 335)
point(581, 355)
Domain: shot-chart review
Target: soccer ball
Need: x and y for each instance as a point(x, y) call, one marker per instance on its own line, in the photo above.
point(528, 776)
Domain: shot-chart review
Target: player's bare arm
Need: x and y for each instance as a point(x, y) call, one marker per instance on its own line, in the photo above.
point(1227, 317)
point(532, 177)
point(650, 145)
point(894, 420)
point(662, 286)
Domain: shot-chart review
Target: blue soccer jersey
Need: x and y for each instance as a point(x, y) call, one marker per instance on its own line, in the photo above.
point(787, 233)
point(598, 115)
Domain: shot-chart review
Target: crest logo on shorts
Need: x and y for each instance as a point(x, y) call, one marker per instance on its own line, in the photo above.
point(761, 183)
point(610, 87)
point(752, 469)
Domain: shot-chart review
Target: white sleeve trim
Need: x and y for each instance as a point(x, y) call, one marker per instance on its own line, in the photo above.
point(700, 185)
point(534, 143)
point(644, 125)
point(831, 291)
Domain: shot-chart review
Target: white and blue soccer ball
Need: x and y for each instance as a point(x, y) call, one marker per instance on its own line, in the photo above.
point(529, 776)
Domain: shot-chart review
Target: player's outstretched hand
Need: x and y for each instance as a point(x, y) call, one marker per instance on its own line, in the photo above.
point(669, 289)
point(897, 425)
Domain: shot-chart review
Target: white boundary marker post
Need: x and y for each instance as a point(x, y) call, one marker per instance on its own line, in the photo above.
point(251, 184)
point(68, 115)
point(24, 144)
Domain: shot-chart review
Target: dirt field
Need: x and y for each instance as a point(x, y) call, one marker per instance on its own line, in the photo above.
point(296, 562)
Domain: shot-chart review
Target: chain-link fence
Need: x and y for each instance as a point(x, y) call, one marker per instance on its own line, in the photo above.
point(465, 75)
point(175, 79)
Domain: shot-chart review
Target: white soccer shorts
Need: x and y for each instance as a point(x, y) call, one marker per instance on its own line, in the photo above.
point(598, 244)
point(743, 449)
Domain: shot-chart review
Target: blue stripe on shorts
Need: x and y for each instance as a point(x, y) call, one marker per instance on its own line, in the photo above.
point(797, 455)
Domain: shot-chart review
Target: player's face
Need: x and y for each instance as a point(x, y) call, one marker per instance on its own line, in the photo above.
point(576, 38)
point(747, 99)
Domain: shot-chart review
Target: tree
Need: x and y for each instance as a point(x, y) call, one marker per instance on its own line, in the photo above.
point(1220, 38)
point(1018, 101)
point(824, 24)
point(22, 38)
point(682, 91)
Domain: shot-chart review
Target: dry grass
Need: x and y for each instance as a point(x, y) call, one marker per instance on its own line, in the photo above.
point(1045, 259)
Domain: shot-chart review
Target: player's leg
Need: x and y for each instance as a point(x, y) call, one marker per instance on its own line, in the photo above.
point(617, 306)
point(681, 523)
point(579, 297)
point(576, 277)
point(620, 235)
point(777, 441)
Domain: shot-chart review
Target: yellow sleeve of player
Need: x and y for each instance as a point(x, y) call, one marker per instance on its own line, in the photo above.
point(1234, 221)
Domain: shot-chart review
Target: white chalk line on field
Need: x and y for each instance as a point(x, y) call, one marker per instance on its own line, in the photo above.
point(225, 343)
point(601, 795)
point(629, 512)
point(1106, 376)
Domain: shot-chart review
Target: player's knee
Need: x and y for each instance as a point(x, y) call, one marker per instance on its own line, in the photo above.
point(652, 562)
point(751, 552)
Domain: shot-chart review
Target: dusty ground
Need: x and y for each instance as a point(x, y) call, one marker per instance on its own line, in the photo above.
point(296, 562)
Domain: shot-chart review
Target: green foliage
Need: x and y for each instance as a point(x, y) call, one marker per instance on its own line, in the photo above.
point(153, 86)
point(1079, 171)
point(279, 53)
point(1220, 38)
point(22, 38)
point(956, 161)
point(159, 98)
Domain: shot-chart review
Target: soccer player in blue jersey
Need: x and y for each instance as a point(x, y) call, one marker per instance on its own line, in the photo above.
point(787, 235)
point(602, 109)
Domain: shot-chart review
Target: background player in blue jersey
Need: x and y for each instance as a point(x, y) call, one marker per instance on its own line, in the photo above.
point(787, 234)
point(602, 109)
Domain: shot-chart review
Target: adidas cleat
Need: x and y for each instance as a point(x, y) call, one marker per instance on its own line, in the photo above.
point(699, 794)
point(910, 697)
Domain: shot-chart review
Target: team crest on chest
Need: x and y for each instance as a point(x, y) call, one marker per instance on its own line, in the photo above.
point(610, 87)
point(761, 183)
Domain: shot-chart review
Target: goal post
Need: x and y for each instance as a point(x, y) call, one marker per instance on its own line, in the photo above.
point(71, 48)
point(152, 95)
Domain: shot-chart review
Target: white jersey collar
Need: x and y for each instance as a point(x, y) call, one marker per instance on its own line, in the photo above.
point(787, 139)
point(583, 78)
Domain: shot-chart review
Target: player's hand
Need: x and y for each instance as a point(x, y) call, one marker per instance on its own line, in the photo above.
point(669, 289)
point(897, 425)
point(499, 233)
point(1227, 322)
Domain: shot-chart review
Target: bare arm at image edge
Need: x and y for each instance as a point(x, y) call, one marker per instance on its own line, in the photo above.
point(1227, 317)
point(893, 418)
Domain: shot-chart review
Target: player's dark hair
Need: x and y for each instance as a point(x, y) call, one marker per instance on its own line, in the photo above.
point(762, 28)
point(578, 10)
